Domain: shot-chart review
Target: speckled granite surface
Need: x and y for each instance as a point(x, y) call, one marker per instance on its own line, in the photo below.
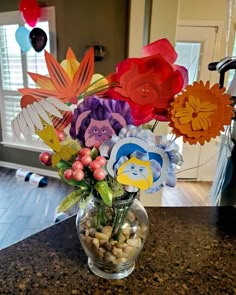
point(188, 251)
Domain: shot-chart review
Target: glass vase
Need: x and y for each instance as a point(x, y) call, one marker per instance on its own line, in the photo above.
point(112, 237)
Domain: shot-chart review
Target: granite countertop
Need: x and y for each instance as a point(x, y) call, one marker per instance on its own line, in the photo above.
point(188, 251)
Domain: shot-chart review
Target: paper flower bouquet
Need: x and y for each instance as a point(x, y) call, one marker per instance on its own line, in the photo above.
point(101, 132)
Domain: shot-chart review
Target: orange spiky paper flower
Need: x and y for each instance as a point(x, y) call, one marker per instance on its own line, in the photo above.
point(69, 80)
point(199, 113)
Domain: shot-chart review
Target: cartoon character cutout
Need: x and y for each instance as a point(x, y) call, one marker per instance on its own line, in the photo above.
point(97, 120)
point(98, 132)
point(135, 161)
point(49, 136)
point(136, 172)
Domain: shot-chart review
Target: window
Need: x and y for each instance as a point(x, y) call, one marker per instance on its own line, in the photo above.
point(14, 65)
point(189, 56)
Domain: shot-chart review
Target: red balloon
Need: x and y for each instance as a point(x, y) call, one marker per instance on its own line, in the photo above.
point(31, 16)
point(30, 11)
point(27, 4)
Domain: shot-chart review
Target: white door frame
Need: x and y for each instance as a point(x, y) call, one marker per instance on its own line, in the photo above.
point(220, 42)
point(204, 172)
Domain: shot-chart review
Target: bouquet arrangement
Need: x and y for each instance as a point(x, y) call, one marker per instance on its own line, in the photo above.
point(101, 132)
point(99, 127)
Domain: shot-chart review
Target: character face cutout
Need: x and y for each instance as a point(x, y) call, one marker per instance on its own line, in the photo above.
point(135, 172)
point(98, 132)
point(49, 136)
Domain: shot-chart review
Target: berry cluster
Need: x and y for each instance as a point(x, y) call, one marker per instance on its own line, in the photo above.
point(84, 160)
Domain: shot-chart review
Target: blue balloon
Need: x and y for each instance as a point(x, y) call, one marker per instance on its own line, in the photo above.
point(22, 38)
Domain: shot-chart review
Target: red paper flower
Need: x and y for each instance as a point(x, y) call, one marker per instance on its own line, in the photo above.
point(149, 83)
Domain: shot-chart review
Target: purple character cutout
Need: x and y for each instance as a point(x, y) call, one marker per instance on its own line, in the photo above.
point(96, 120)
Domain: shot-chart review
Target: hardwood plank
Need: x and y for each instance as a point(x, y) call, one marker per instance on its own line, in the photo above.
point(15, 231)
point(15, 205)
point(2, 211)
point(24, 208)
point(4, 227)
point(187, 193)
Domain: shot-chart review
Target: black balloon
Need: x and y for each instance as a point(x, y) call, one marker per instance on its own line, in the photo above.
point(38, 39)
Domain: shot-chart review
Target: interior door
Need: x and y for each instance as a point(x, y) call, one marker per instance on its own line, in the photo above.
point(195, 47)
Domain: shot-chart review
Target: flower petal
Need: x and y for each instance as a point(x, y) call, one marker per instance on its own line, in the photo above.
point(57, 74)
point(42, 81)
point(163, 47)
point(83, 76)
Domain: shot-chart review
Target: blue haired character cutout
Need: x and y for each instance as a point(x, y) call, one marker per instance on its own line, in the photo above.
point(139, 160)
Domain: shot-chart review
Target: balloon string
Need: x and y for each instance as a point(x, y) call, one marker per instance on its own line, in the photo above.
point(197, 165)
point(154, 125)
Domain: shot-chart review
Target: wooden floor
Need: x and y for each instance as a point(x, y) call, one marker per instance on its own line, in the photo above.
point(187, 193)
point(26, 209)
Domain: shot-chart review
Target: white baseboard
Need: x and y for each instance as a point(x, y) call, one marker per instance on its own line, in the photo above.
point(206, 178)
point(36, 170)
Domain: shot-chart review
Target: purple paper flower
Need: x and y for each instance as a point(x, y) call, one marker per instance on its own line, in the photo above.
point(96, 120)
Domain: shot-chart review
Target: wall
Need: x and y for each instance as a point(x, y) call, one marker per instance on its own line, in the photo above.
point(161, 23)
point(78, 24)
point(164, 20)
point(202, 9)
point(136, 27)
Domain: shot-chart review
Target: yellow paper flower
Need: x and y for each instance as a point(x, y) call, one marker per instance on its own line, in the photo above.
point(199, 113)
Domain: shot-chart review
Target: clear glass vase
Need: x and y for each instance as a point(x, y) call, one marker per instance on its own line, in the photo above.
point(112, 237)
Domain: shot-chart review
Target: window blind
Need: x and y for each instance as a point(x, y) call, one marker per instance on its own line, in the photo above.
point(14, 65)
point(11, 63)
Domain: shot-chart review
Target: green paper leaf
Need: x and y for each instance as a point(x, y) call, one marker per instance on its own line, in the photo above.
point(94, 153)
point(71, 200)
point(63, 164)
point(105, 192)
point(80, 184)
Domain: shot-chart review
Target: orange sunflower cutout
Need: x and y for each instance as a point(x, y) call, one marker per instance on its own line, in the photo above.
point(199, 113)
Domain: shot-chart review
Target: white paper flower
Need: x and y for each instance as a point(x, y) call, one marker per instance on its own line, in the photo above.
point(30, 118)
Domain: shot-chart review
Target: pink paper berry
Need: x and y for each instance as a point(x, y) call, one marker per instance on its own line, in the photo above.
point(68, 174)
point(101, 160)
point(94, 165)
point(99, 174)
point(84, 151)
point(77, 165)
point(78, 175)
point(86, 160)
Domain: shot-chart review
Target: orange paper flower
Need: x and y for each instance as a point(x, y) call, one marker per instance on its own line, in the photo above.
point(69, 79)
point(199, 113)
